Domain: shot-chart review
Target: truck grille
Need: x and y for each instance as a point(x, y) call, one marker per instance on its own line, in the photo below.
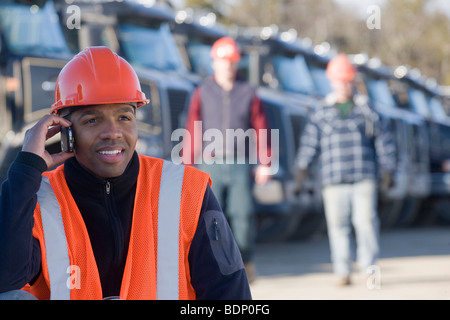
point(298, 123)
point(178, 102)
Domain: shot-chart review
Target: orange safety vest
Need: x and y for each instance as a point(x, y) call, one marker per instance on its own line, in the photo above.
point(157, 264)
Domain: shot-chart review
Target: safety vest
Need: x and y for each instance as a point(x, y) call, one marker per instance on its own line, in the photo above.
point(166, 212)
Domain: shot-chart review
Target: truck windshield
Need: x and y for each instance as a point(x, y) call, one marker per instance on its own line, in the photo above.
point(293, 73)
point(378, 91)
point(418, 101)
point(321, 81)
point(200, 58)
point(150, 46)
point(32, 30)
point(437, 110)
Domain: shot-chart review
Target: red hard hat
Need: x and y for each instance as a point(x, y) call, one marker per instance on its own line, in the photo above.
point(226, 48)
point(97, 75)
point(340, 68)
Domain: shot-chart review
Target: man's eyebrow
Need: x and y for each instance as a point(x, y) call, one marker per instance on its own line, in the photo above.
point(126, 109)
point(91, 112)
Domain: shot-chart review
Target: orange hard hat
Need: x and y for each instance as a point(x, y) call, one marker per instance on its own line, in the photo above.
point(226, 48)
point(94, 76)
point(340, 68)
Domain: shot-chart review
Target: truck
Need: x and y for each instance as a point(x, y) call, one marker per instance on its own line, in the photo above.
point(142, 35)
point(422, 96)
point(32, 53)
point(401, 204)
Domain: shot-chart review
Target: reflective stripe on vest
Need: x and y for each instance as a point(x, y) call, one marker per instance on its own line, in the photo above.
point(55, 242)
point(168, 223)
point(168, 236)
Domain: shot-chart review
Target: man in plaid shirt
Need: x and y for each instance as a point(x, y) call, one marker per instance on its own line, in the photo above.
point(355, 145)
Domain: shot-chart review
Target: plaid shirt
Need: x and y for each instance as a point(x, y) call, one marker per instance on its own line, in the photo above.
point(351, 148)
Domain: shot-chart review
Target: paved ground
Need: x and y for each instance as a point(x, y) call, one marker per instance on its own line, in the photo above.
point(414, 264)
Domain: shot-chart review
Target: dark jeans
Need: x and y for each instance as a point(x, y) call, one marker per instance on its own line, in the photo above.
point(232, 186)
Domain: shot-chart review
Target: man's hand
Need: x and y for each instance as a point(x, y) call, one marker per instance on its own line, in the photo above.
point(262, 174)
point(300, 177)
point(36, 137)
point(387, 181)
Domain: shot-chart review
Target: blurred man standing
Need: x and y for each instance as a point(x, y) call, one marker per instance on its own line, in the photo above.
point(224, 103)
point(355, 145)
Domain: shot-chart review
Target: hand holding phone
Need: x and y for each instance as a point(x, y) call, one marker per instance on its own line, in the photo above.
point(36, 137)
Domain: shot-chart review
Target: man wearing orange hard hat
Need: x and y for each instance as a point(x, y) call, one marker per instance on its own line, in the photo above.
point(108, 223)
point(223, 102)
point(356, 147)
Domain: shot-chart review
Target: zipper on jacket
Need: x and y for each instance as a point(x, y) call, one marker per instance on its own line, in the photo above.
point(226, 118)
point(116, 224)
point(108, 187)
point(225, 110)
point(216, 229)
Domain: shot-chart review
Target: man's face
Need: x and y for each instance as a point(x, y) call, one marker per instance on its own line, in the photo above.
point(105, 138)
point(225, 69)
point(343, 90)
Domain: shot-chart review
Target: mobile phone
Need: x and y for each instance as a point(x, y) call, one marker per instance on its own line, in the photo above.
point(67, 139)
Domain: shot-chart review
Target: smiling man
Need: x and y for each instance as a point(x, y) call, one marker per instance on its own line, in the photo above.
point(107, 222)
point(107, 134)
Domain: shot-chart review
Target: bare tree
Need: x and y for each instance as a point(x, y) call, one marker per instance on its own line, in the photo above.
point(409, 34)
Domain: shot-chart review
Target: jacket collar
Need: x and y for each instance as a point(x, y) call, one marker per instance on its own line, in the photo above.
point(86, 184)
point(358, 99)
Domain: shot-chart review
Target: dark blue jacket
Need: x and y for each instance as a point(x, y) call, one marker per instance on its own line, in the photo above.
point(217, 271)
